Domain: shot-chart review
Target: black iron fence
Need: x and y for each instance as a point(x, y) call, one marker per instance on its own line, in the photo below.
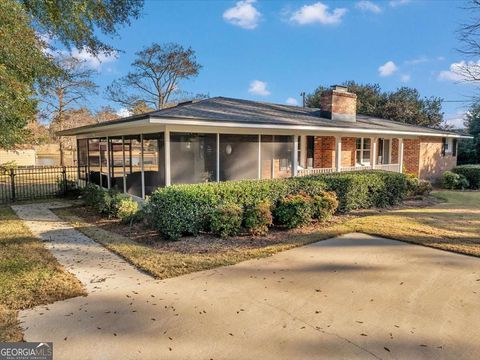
point(29, 183)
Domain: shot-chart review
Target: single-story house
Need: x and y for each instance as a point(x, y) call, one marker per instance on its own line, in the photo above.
point(220, 139)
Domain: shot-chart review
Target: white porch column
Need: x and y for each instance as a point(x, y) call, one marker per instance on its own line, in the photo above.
point(295, 156)
point(218, 157)
point(108, 163)
point(400, 154)
point(142, 166)
point(124, 172)
point(259, 156)
point(303, 151)
point(338, 153)
point(167, 157)
point(373, 161)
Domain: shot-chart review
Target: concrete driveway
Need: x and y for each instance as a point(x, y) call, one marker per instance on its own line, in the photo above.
point(355, 296)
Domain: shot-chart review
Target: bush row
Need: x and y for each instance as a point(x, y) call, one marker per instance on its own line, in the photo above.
point(462, 177)
point(187, 209)
point(111, 203)
point(471, 173)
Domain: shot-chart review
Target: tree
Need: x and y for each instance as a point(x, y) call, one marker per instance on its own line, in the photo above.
point(71, 118)
point(403, 105)
point(67, 88)
point(469, 36)
point(24, 63)
point(470, 150)
point(74, 22)
point(155, 77)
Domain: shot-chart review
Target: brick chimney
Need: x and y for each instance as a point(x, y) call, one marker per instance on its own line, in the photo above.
point(338, 104)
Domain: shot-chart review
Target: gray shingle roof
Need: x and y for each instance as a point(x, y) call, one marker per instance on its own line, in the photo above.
point(253, 112)
point(247, 111)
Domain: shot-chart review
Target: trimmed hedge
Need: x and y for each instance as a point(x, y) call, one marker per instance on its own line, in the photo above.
point(185, 209)
point(454, 181)
point(471, 173)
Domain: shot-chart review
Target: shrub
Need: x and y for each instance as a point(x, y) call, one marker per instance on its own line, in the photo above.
point(257, 218)
point(185, 209)
point(453, 181)
point(92, 195)
point(127, 210)
point(294, 210)
point(105, 202)
point(324, 205)
point(226, 220)
point(424, 188)
point(471, 173)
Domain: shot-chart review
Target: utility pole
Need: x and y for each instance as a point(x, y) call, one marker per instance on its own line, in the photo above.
point(302, 94)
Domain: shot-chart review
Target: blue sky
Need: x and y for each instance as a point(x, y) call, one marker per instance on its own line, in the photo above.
point(273, 50)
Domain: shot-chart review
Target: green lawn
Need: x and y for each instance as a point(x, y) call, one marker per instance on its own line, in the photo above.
point(29, 274)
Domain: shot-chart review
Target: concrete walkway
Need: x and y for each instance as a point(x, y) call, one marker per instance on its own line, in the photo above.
point(352, 297)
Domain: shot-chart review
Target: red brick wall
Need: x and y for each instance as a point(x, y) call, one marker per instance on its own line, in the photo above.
point(395, 158)
point(411, 155)
point(348, 151)
point(324, 152)
point(432, 163)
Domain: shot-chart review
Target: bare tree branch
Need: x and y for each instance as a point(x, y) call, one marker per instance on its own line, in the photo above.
point(155, 76)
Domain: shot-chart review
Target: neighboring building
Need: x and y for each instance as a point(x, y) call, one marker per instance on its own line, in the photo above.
point(38, 155)
point(21, 157)
point(221, 139)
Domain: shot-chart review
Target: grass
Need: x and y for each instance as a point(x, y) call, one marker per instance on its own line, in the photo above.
point(29, 274)
point(453, 225)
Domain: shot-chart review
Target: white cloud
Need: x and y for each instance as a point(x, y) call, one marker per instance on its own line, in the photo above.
point(455, 72)
point(317, 13)
point(405, 78)
point(258, 87)
point(456, 120)
point(243, 14)
point(395, 3)
point(92, 61)
point(366, 5)
point(291, 101)
point(123, 112)
point(387, 69)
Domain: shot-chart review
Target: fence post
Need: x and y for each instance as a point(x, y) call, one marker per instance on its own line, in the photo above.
point(64, 175)
point(12, 182)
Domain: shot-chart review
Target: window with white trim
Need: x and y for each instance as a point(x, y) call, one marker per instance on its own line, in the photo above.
point(363, 151)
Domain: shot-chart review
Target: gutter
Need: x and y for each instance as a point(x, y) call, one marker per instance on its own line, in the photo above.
point(147, 119)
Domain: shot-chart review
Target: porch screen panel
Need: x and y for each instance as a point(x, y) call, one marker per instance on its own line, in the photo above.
point(116, 164)
point(153, 159)
point(238, 157)
point(134, 177)
point(276, 154)
point(94, 160)
point(193, 158)
point(103, 162)
point(82, 145)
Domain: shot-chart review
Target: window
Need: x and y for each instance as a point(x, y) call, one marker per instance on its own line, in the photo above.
point(384, 150)
point(454, 147)
point(444, 146)
point(363, 146)
point(310, 151)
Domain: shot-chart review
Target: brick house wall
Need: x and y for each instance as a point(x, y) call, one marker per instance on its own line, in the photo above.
point(349, 148)
point(411, 156)
point(395, 146)
point(432, 164)
point(324, 152)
